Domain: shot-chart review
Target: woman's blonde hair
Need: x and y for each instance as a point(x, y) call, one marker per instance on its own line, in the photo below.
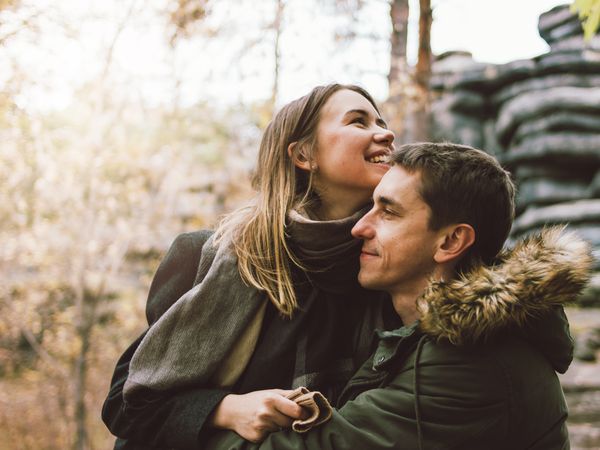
point(258, 231)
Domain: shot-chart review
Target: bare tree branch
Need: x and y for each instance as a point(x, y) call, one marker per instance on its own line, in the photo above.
point(120, 28)
point(41, 352)
point(26, 23)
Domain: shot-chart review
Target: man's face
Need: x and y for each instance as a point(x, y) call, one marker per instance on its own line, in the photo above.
point(398, 246)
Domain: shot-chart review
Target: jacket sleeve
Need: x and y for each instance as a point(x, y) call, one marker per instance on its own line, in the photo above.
point(174, 419)
point(457, 411)
point(157, 419)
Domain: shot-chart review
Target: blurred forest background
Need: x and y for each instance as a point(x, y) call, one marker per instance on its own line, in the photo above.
point(101, 170)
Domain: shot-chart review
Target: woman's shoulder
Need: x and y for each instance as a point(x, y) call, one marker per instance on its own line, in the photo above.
point(191, 240)
point(185, 251)
point(176, 273)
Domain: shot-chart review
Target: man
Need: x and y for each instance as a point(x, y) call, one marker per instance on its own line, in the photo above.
point(474, 365)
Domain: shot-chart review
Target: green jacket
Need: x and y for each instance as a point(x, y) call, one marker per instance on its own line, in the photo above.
point(476, 372)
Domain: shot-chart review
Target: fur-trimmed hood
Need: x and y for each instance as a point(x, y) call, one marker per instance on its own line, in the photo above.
point(541, 272)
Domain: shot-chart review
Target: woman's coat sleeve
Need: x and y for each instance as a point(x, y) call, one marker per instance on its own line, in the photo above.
point(165, 419)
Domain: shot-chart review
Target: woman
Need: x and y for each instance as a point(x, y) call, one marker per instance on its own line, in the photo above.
point(295, 265)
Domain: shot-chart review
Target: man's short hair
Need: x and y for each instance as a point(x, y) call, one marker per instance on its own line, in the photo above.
point(461, 184)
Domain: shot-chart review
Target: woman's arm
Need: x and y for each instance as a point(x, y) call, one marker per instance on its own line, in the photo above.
point(158, 419)
point(180, 419)
point(175, 418)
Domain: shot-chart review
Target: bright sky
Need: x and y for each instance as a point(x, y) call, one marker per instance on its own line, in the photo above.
point(219, 71)
point(496, 31)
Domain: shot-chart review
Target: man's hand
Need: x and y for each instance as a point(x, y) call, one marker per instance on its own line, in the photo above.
point(254, 415)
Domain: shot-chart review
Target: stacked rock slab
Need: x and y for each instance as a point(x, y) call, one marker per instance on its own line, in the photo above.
point(541, 118)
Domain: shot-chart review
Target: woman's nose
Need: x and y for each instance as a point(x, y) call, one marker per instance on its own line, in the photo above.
point(384, 135)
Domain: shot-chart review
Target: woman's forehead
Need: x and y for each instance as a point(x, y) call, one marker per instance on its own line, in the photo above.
point(346, 100)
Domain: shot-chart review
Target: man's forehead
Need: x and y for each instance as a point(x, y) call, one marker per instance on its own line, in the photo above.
point(397, 183)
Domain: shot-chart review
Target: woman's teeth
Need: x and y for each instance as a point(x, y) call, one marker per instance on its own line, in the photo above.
point(377, 159)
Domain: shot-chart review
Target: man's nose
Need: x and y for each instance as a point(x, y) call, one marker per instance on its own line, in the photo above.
point(363, 229)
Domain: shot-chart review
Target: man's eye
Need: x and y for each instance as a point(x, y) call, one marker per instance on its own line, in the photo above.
point(388, 212)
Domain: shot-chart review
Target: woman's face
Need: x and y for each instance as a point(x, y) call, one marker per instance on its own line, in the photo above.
point(352, 144)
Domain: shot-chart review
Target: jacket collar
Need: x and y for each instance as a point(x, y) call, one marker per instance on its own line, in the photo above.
point(390, 344)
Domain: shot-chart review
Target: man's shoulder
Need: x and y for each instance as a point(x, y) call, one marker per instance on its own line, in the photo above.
point(503, 367)
point(505, 350)
point(493, 388)
point(465, 367)
point(508, 370)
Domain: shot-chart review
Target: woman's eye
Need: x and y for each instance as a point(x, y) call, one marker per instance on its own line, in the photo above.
point(359, 120)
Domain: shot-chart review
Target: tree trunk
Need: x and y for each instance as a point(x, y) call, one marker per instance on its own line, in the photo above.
point(398, 76)
point(423, 69)
point(277, 26)
point(399, 11)
point(83, 326)
point(421, 117)
point(81, 435)
point(85, 307)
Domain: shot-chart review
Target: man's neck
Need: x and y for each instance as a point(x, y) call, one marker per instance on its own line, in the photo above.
point(405, 297)
point(405, 303)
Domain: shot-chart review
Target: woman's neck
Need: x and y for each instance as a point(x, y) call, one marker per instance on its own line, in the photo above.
point(329, 209)
point(334, 213)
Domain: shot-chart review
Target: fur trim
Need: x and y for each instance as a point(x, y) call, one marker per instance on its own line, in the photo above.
point(543, 270)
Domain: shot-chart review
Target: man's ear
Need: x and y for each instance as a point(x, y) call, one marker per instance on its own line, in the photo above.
point(454, 242)
point(299, 157)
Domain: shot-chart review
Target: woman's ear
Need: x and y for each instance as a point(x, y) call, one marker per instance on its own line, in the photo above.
point(454, 242)
point(300, 158)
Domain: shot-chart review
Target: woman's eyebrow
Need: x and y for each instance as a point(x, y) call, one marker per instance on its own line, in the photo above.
point(382, 123)
point(378, 120)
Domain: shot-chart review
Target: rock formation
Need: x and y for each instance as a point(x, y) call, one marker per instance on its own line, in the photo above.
point(541, 118)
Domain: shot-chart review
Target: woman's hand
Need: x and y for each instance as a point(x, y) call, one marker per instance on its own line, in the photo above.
point(254, 415)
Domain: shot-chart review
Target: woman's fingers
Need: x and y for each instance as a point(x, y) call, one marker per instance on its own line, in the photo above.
point(289, 408)
point(255, 414)
point(277, 421)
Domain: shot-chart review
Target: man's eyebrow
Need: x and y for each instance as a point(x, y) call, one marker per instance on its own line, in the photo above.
point(378, 120)
point(386, 201)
